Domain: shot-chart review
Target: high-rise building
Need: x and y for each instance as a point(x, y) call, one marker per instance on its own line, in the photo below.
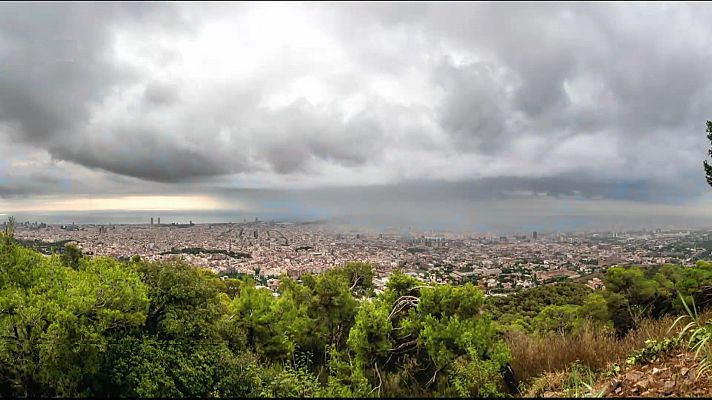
point(151, 220)
point(159, 220)
point(534, 235)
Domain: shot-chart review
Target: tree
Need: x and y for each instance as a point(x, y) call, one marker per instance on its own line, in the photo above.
point(71, 256)
point(594, 308)
point(10, 228)
point(561, 319)
point(270, 326)
point(359, 275)
point(369, 338)
point(56, 322)
point(186, 302)
point(630, 296)
point(333, 309)
point(416, 340)
point(178, 350)
point(708, 167)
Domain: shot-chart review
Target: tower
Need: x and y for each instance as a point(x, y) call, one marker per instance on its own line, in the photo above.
point(534, 235)
point(159, 220)
point(151, 220)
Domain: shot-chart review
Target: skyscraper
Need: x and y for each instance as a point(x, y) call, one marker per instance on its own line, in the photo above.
point(159, 220)
point(151, 220)
point(534, 235)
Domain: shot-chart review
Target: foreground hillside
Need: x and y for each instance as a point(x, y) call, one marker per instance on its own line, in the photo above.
point(75, 326)
point(673, 374)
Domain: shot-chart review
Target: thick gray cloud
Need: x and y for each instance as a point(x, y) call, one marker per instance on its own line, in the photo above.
point(487, 100)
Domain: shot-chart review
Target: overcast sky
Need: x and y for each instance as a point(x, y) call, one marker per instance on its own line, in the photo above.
point(422, 111)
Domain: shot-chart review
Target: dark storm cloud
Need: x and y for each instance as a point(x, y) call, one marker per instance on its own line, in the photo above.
point(55, 61)
point(145, 155)
point(508, 188)
point(474, 110)
point(495, 100)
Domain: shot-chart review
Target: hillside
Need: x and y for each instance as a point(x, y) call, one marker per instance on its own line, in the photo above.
point(672, 375)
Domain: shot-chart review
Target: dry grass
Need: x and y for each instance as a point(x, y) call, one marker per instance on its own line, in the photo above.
point(532, 356)
point(592, 346)
point(553, 382)
point(544, 364)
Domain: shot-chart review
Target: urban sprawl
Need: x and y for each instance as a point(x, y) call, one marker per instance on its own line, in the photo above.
point(266, 250)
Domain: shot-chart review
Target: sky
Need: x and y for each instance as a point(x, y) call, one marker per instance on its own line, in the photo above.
point(475, 116)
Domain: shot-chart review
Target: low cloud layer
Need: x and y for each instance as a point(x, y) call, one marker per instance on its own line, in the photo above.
point(493, 101)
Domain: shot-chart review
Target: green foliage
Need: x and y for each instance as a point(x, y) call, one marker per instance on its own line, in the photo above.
point(699, 337)
point(71, 256)
point(333, 309)
point(359, 275)
point(518, 310)
point(561, 319)
point(369, 339)
point(580, 381)
point(9, 233)
point(428, 338)
point(708, 167)
point(271, 326)
point(631, 294)
point(653, 350)
point(56, 322)
point(149, 367)
point(594, 308)
point(185, 301)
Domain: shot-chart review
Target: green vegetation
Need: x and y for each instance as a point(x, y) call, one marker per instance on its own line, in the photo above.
point(520, 309)
point(71, 325)
point(632, 294)
point(708, 167)
point(699, 335)
point(77, 326)
point(198, 250)
point(653, 350)
point(46, 248)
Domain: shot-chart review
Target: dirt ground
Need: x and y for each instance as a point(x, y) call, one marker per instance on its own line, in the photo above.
point(672, 375)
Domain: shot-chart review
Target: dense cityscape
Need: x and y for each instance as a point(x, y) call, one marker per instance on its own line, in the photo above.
point(496, 263)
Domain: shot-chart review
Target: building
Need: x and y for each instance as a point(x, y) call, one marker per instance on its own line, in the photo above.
point(534, 235)
point(595, 283)
point(151, 220)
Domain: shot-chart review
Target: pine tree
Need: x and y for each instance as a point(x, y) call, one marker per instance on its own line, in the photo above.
point(708, 167)
point(10, 228)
